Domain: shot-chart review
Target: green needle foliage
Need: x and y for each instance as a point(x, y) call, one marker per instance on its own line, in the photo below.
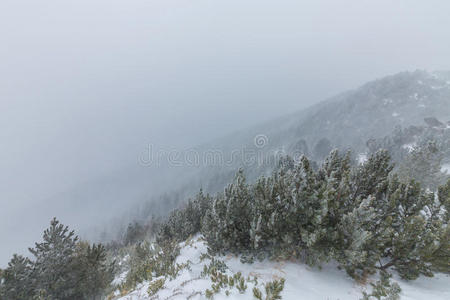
point(365, 217)
point(62, 268)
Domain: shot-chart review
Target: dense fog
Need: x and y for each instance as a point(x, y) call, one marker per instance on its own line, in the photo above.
point(86, 86)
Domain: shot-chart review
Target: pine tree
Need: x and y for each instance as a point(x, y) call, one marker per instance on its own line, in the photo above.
point(237, 223)
point(322, 149)
point(271, 210)
point(91, 271)
point(16, 281)
point(423, 164)
point(357, 229)
point(186, 221)
point(195, 211)
point(62, 268)
point(53, 261)
point(135, 233)
point(213, 227)
point(260, 236)
point(306, 217)
point(333, 195)
point(371, 178)
point(444, 196)
point(226, 225)
point(412, 223)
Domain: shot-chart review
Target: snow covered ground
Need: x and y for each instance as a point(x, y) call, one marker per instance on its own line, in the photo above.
point(302, 282)
point(362, 158)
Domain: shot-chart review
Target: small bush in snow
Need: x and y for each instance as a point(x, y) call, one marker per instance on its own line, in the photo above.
point(148, 262)
point(155, 286)
point(216, 265)
point(383, 289)
point(273, 290)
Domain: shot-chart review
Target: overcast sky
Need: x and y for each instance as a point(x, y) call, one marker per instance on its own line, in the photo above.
point(85, 85)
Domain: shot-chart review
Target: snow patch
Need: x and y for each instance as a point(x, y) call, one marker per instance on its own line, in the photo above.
point(445, 168)
point(362, 158)
point(120, 278)
point(410, 147)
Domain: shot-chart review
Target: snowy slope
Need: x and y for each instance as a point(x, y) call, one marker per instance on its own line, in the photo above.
point(302, 282)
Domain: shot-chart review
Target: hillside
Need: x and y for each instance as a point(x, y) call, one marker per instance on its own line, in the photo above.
point(344, 231)
point(351, 118)
point(321, 223)
point(347, 121)
point(302, 282)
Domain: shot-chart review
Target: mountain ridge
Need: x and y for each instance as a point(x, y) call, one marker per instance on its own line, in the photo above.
point(347, 120)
